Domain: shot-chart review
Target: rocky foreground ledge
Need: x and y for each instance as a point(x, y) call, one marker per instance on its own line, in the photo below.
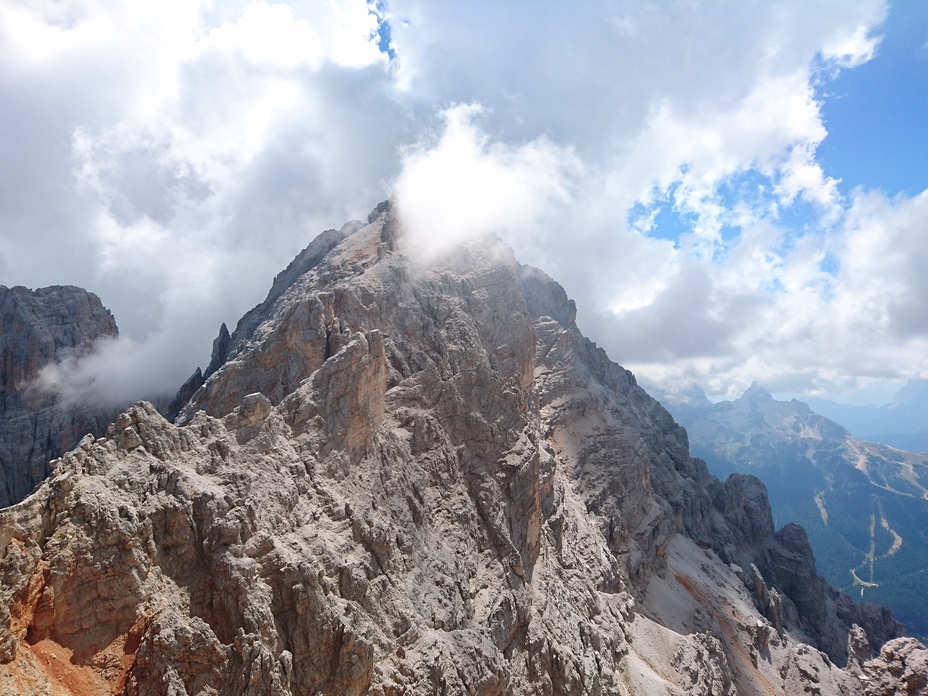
point(399, 479)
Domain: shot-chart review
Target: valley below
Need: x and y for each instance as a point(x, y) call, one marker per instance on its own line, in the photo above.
point(863, 504)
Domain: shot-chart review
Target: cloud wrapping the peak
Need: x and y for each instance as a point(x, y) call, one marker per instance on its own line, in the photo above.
point(463, 185)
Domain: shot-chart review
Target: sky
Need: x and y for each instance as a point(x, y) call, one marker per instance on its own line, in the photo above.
point(732, 191)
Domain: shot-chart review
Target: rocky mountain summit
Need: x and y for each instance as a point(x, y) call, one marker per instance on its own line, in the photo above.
point(863, 504)
point(39, 327)
point(398, 478)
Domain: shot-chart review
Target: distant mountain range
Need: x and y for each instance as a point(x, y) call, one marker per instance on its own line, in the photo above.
point(902, 423)
point(863, 504)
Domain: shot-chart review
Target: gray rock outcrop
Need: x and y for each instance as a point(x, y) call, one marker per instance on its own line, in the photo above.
point(38, 327)
point(783, 578)
point(399, 480)
point(901, 669)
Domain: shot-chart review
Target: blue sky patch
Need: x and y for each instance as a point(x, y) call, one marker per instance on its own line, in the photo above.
point(877, 113)
point(385, 41)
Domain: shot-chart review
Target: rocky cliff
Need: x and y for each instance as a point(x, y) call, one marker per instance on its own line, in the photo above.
point(863, 504)
point(38, 327)
point(398, 479)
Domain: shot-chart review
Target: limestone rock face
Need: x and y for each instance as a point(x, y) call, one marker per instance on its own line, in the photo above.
point(398, 479)
point(782, 574)
point(38, 327)
point(901, 668)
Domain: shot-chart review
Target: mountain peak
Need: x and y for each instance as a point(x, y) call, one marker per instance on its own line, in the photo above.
point(413, 478)
point(756, 393)
point(914, 393)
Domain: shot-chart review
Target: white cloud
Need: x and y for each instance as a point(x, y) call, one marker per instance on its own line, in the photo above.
point(173, 156)
point(270, 35)
point(464, 185)
point(774, 129)
point(342, 32)
point(883, 257)
point(814, 329)
point(854, 47)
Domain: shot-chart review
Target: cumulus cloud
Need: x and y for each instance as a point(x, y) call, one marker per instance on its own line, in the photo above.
point(884, 256)
point(804, 325)
point(774, 129)
point(463, 185)
point(173, 156)
point(661, 162)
